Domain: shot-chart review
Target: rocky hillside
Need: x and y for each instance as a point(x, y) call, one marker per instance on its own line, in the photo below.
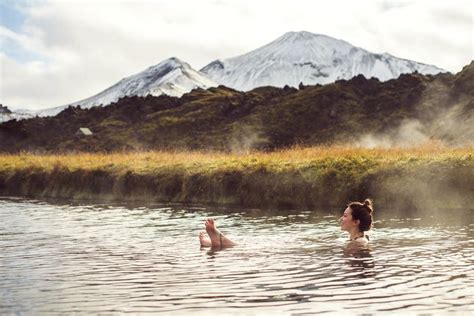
point(411, 109)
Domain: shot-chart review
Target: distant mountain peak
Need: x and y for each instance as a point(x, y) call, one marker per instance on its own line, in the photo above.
point(172, 77)
point(303, 36)
point(309, 58)
point(172, 62)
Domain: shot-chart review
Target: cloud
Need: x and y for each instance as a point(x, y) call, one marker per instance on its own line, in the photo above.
point(69, 50)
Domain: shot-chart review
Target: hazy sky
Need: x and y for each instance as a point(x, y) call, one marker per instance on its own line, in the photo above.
point(57, 52)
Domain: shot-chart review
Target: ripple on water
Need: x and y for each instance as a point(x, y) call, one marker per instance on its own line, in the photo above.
point(107, 258)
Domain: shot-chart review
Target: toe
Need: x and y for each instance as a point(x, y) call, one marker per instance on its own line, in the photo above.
point(211, 222)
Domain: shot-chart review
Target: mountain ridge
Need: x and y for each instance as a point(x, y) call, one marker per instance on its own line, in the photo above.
point(171, 76)
point(308, 58)
point(291, 59)
point(409, 110)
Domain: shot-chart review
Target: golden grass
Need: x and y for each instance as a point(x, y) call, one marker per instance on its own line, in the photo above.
point(294, 158)
point(298, 178)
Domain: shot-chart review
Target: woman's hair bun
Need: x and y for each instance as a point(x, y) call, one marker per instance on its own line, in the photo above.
point(369, 204)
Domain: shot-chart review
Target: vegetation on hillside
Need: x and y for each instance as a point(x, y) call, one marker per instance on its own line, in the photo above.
point(408, 110)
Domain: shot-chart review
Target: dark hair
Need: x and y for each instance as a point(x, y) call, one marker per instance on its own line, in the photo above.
point(363, 213)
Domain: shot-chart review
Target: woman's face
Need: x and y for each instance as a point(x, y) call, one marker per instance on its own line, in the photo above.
point(346, 220)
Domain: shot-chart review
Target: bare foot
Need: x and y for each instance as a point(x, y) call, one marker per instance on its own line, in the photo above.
point(205, 242)
point(217, 238)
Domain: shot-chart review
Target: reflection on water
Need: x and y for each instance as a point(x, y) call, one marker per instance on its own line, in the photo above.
point(61, 258)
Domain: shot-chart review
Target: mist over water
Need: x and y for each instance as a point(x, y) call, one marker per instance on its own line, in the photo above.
point(60, 258)
point(443, 115)
point(409, 133)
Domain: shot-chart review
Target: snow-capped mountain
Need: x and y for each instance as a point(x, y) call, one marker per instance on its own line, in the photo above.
point(291, 59)
point(4, 117)
point(309, 58)
point(6, 114)
point(171, 77)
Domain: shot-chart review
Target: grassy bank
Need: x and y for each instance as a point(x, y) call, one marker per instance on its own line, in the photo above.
point(303, 178)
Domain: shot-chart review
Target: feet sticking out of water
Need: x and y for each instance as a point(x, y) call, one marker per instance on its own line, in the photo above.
point(217, 239)
point(205, 242)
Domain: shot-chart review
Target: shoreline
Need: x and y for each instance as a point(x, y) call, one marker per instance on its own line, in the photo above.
point(405, 180)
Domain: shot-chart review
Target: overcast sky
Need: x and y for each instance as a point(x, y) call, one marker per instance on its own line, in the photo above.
point(57, 52)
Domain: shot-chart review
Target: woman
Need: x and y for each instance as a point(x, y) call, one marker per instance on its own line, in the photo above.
point(357, 219)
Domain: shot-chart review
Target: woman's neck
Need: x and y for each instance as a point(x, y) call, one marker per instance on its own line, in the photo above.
point(353, 235)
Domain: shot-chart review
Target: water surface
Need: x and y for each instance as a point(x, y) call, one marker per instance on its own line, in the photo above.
point(58, 258)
